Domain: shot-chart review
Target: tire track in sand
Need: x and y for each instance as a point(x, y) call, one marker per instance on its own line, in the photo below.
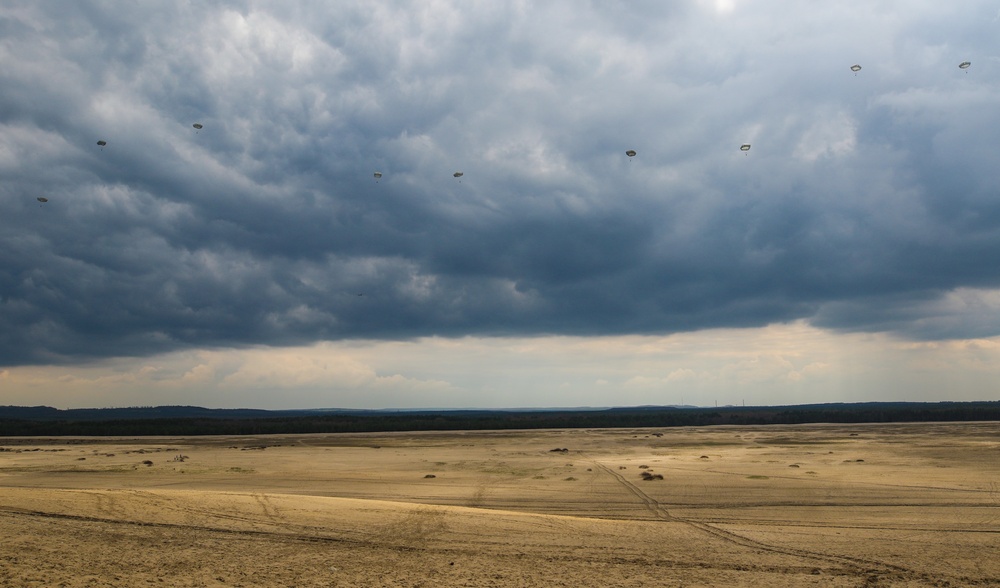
point(267, 507)
point(661, 512)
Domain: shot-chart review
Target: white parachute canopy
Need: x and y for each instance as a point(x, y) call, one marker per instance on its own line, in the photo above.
point(745, 147)
point(855, 68)
point(630, 153)
point(965, 65)
point(378, 175)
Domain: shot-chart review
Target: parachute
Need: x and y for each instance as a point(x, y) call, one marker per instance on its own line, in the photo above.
point(102, 143)
point(458, 174)
point(378, 175)
point(855, 68)
point(630, 153)
point(197, 126)
point(965, 65)
point(745, 147)
point(42, 199)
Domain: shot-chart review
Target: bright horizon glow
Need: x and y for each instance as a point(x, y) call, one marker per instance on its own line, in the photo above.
point(776, 365)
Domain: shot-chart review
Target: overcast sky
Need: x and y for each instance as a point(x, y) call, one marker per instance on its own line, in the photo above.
point(853, 253)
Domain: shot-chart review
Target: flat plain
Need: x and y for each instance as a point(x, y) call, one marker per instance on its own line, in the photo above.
point(811, 505)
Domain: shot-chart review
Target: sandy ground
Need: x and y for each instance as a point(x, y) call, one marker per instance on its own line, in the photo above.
point(817, 505)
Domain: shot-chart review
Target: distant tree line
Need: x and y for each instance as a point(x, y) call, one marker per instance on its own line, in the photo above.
point(52, 422)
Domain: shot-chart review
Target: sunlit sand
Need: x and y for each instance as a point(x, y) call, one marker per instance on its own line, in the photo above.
point(817, 505)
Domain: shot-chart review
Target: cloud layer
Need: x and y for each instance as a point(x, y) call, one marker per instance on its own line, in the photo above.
point(868, 202)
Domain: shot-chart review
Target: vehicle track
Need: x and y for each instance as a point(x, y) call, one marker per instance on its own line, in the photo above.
point(166, 504)
point(857, 563)
point(268, 508)
point(14, 511)
point(366, 541)
point(654, 507)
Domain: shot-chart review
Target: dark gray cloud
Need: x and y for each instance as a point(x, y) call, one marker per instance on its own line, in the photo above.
point(866, 202)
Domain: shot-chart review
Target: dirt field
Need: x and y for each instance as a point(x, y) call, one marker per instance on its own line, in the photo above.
point(817, 505)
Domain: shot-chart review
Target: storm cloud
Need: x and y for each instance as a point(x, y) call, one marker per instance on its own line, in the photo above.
point(869, 202)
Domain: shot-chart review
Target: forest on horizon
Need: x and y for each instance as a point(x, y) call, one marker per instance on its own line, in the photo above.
point(184, 421)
